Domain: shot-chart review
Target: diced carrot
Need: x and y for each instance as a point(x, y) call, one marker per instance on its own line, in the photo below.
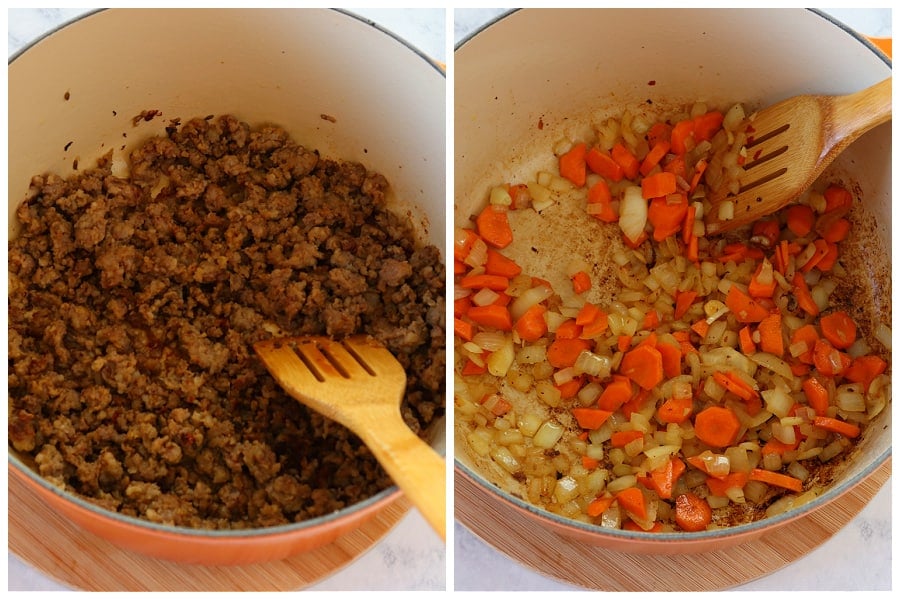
point(675, 410)
point(463, 245)
point(734, 384)
point(707, 124)
point(816, 395)
point(667, 218)
point(800, 219)
point(836, 231)
point(744, 308)
point(568, 329)
point(615, 394)
point(663, 479)
point(762, 282)
point(692, 513)
point(570, 388)
point(598, 506)
point(683, 301)
point(590, 418)
point(493, 226)
point(777, 479)
point(643, 365)
point(820, 250)
point(532, 325)
point(767, 232)
point(671, 359)
point(492, 315)
point(701, 328)
point(596, 327)
point(687, 229)
point(461, 306)
point(864, 369)
point(717, 426)
point(826, 263)
point(651, 319)
point(720, 486)
point(657, 152)
point(658, 185)
point(838, 328)
point(659, 131)
point(809, 335)
point(463, 329)
point(828, 360)
point(623, 342)
point(693, 250)
point(473, 368)
point(630, 525)
point(581, 282)
point(459, 267)
point(589, 463)
point(635, 403)
point(837, 198)
point(599, 192)
point(572, 164)
point(498, 264)
point(699, 169)
point(587, 314)
point(625, 159)
point(843, 428)
point(682, 138)
point(676, 165)
point(620, 439)
point(498, 283)
point(562, 353)
point(632, 500)
point(771, 337)
point(745, 337)
point(776, 446)
point(601, 163)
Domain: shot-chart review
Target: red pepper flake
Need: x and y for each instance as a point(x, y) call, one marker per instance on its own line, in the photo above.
point(757, 154)
point(541, 123)
point(651, 82)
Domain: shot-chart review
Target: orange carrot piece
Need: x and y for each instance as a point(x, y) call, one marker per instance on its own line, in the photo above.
point(762, 282)
point(615, 394)
point(562, 353)
point(461, 306)
point(663, 479)
point(804, 297)
point(471, 368)
point(701, 328)
point(838, 328)
point(519, 193)
point(498, 264)
point(658, 185)
point(570, 388)
point(463, 329)
point(800, 219)
point(601, 163)
point(826, 263)
point(675, 410)
point(683, 301)
point(719, 486)
point(734, 384)
point(589, 463)
point(651, 319)
point(671, 359)
point(745, 337)
point(777, 479)
point(864, 369)
point(623, 342)
point(600, 192)
point(828, 360)
point(836, 231)
point(581, 282)
point(745, 308)
point(493, 226)
point(816, 395)
point(771, 337)
point(717, 426)
point(707, 124)
point(692, 513)
point(837, 426)
point(643, 365)
point(587, 314)
point(809, 335)
point(590, 418)
point(820, 250)
point(667, 218)
point(620, 439)
point(657, 152)
point(776, 446)
point(568, 329)
point(572, 164)
point(462, 246)
point(598, 506)
point(767, 232)
point(659, 131)
point(497, 283)
point(632, 500)
point(532, 325)
point(682, 138)
point(492, 315)
point(837, 198)
point(625, 159)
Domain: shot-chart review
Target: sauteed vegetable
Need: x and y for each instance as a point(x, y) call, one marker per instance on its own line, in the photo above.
point(723, 376)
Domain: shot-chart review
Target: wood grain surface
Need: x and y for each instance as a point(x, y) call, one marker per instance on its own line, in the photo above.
point(81, 560)
point(597, 568)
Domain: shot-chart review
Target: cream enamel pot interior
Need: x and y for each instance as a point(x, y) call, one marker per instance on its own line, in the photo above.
point(336, 82)
point(534, 77)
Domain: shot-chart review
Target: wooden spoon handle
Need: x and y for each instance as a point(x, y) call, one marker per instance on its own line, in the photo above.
point(854, 114)
point(414, 466)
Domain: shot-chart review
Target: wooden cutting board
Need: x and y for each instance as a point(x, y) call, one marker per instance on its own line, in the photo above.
point(81, 560)
point(515, 535)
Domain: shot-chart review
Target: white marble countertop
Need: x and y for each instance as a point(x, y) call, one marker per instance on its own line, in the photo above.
point(410, 556)
point(857, 558)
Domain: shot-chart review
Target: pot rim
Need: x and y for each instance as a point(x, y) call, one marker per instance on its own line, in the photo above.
point(753, 528)
point(381, 498)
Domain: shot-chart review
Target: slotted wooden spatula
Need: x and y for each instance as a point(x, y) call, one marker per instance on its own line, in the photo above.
point(790, 145)
point(359, 383)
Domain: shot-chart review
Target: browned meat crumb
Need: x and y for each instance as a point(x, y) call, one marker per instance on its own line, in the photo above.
point(134, 304)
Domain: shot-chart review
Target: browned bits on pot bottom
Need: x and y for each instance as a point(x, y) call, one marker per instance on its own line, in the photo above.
point(134, 303)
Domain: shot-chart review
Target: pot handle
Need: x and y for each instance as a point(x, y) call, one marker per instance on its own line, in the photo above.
point(882, 43)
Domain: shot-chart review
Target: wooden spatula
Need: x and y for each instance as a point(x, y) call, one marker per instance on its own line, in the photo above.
point(359, 383)
point(790, 145)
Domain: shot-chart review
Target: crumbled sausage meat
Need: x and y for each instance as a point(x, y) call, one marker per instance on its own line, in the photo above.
point(134, 303)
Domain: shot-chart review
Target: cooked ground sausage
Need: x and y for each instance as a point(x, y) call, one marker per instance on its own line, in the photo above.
point(134, 303)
